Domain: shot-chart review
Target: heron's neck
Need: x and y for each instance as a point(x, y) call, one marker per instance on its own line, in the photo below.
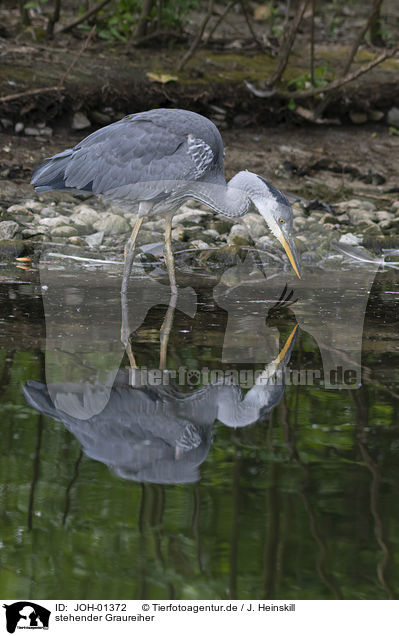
point(229, 199)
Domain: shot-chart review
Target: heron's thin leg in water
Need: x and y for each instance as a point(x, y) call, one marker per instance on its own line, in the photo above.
point(166, 329)
point(129, 254)
point(169, 259)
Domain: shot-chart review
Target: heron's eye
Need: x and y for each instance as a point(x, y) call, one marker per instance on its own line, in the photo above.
point(282, 221)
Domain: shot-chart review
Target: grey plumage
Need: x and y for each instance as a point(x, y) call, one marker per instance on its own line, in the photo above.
point(153, 162)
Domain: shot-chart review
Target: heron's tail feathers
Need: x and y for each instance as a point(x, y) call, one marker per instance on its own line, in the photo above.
point(37, 396)
point(50, 175)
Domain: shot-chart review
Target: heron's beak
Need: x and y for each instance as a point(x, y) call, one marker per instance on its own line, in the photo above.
point(289, 246)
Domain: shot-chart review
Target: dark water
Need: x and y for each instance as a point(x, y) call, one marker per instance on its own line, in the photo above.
point(208, 484)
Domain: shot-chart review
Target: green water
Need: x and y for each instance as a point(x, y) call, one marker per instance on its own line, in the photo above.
point(301, 504)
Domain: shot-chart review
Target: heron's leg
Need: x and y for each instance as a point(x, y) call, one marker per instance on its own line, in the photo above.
point(127, 267)
point(169, 259)
point(129, 254)
point(166, 329)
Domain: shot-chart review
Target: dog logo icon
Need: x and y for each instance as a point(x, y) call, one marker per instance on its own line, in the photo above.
point(26, 615)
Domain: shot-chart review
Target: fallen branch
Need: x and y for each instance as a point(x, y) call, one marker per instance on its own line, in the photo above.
point(83, 17)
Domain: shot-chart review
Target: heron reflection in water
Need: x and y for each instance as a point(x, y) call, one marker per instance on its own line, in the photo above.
point(156, 433)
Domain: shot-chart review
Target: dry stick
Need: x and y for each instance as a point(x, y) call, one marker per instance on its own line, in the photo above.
point(60, 85)
point(198, 37)
point(219, 21)
point(374, 10)
point(250, 27)
point(83, 17)
point(312, 43)
point(287, 45)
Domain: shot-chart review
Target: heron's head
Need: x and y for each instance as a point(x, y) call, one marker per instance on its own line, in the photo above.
point(275, 208)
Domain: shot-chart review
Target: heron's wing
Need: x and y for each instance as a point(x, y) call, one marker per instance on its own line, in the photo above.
point(135, 151)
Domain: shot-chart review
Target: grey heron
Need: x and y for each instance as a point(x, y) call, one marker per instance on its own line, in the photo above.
point(153, 162)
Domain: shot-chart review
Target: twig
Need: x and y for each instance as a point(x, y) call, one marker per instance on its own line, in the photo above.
point(312, 43)
point(250, 27)
point(219, 21)
point(82, 49)
point(35, 91)
point(60, 85)
point(198, 37)
point(287, 45)
point(374, 11)
point(83, 17)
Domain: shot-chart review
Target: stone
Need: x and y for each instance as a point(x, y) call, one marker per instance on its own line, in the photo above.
point(62, 231)
point(383, 215)
point(53, 222)
point(94, 240)
point(49, 212)
point(18, 127)
point(350, 239)
point(32, 131)
point(112, 225)
point(190, 216)
point(393, 116)
point(80, 121)
point(376, 115)
point(200, 245)
point(24, 217)
point(357, 216)
point(299, 223)
point(76, 240)
point(255, 224)
point(8, 229)
point(100, 118)
point(213, 234)
point(372, 231)
point(155, 249)
point(85, 218)
point(34, 206)
point(178, 233)
point(395, 206)
point(357, 117)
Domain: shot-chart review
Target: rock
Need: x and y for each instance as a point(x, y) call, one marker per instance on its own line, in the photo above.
point(350, 239)
point(376, 115)
point(62, 231)
point(32, 131)
point(189, 216)
point(6, 123)
point(328, 218)
point(343, 218)
point(153, 225)
point(94, 240)
point(76, 240)
point(53, 222)
point(393, 116)
point(80, 121)
point(18, 127)
point(357, 216)
point(8, 229)
point(255, 224)
point(10, 249)
point(213, 234)
point(85, 216)
point(155, 249)
point(265, 243)
point(30, 204)
point(112, 225)
point(372, 231)
point(238, 235)
point(46, 131)
point(20, 215)
point(299, 223)
point(395, 206)
point(178, 233)
point(99, 117)
point(383, 215)
point(357, 118)
point(49, 212)
point(200, 245)
point(355, 203)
